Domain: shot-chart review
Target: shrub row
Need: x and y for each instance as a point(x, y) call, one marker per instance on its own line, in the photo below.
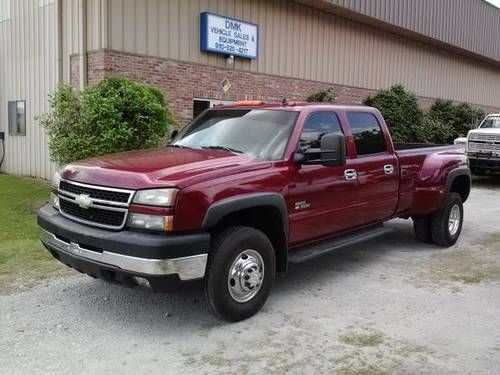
point(444, 121)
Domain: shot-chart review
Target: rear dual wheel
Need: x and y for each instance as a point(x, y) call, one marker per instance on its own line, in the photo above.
point(444, 226)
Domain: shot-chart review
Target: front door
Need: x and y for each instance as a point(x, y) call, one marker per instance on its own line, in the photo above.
point(319, 197)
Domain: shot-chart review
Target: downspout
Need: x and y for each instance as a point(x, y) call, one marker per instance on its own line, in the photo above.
point(83, 43)
point(59, 57)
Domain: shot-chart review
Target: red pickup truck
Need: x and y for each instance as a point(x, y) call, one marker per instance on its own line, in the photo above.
point(244, 190)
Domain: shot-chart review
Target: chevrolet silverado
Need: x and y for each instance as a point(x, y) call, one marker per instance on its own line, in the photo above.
point(243, 191)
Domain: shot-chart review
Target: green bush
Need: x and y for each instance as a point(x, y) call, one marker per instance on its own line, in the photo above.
point(443, 123)
point(113, 116)
point(461, 117)
point(434, 131)
point(324, 96)
point(401, 112)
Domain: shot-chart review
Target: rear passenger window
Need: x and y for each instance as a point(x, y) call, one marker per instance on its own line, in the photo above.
point(367, 133)
point(317, 125)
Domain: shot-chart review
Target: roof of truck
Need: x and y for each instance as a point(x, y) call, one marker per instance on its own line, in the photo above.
point(291, 106)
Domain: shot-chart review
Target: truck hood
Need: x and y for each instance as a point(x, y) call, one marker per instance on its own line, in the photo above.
point(485, 131)
point(163, 167)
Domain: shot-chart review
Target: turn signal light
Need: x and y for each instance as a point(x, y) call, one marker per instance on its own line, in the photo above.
point(168, 223)
point(151, 222)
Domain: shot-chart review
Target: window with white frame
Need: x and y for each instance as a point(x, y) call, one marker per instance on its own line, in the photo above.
point(4, 10)
point(42, 3)
point(17, 117)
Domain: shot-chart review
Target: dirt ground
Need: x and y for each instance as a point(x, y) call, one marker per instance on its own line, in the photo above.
point(392, 305)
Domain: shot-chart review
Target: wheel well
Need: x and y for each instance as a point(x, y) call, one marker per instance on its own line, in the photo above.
point(267, 219)
point(461, 185)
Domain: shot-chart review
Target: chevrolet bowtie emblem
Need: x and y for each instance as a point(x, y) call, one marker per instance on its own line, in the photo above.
point(84, 201)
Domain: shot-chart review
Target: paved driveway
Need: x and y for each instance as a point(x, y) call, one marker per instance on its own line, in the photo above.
point(389, 306)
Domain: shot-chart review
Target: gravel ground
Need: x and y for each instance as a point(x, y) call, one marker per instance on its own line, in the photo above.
point(390, 306)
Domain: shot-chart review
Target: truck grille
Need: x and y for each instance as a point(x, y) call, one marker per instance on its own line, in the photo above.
point(113, 195)
point(94, 205)
point(475, 146)
point(484, 143)
point(485, 137)
point(95, 215)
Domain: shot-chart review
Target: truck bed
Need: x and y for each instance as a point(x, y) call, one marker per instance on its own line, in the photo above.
point(421, 168)
point(422, 147)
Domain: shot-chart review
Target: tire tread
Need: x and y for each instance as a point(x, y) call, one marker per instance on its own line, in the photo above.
point(439, 223)
point(215, 263)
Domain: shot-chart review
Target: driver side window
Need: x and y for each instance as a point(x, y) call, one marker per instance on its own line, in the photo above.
point(317, 125)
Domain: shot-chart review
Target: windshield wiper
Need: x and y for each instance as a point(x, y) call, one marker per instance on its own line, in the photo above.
point(179, 146)
point(224, 148)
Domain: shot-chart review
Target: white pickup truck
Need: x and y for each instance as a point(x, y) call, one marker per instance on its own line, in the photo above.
point(483, 146)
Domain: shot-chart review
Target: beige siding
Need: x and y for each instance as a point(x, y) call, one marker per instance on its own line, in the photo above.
point(27, 72)
point(473, 25)
point(97, 29)
point(303, 42)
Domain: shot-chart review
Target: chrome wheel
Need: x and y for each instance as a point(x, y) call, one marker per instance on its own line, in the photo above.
point(454, 220)
point(245, 276)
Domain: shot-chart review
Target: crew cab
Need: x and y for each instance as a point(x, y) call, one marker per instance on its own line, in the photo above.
point(244, 190)
point(483, 146)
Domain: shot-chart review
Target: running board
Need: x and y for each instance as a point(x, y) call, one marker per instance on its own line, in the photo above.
point(307, 252)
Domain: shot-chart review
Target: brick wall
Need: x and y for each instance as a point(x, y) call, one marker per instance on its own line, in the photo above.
point(181, 81)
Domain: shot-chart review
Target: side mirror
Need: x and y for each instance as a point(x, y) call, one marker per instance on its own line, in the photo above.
point(333, 150)
point(172, 135)
point(331, 153)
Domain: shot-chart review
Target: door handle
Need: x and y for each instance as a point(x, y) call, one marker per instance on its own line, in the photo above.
point(350, 174)
point(388, 169)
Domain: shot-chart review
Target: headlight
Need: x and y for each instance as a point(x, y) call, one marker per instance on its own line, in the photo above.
point(150, 222)
point(156, 197)
point(56, 179)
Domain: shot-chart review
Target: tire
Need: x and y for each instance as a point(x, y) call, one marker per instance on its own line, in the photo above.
point(443, 232)
point(243, 295)
point(422, 228)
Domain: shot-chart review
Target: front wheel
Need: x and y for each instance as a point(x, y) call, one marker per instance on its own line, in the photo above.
point(446, 224)
point(240, 273)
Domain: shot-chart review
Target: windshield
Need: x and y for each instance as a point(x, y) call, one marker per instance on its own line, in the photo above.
point(257, 132)
point(491, 122)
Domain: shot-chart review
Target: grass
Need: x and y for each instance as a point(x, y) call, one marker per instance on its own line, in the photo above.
point(369, 351)
point(494, 241)
point(462, 266)
point(23, 259)
point(362, 339)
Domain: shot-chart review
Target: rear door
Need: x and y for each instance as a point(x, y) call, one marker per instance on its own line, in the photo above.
point(376, 168)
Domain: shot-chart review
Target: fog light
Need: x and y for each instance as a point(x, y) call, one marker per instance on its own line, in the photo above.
point(150, 222)
point(54, 200)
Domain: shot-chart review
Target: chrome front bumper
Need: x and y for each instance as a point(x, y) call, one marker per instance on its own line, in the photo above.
point(187, 268)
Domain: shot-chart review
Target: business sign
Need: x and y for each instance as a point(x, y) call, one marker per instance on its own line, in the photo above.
point(228, 36)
